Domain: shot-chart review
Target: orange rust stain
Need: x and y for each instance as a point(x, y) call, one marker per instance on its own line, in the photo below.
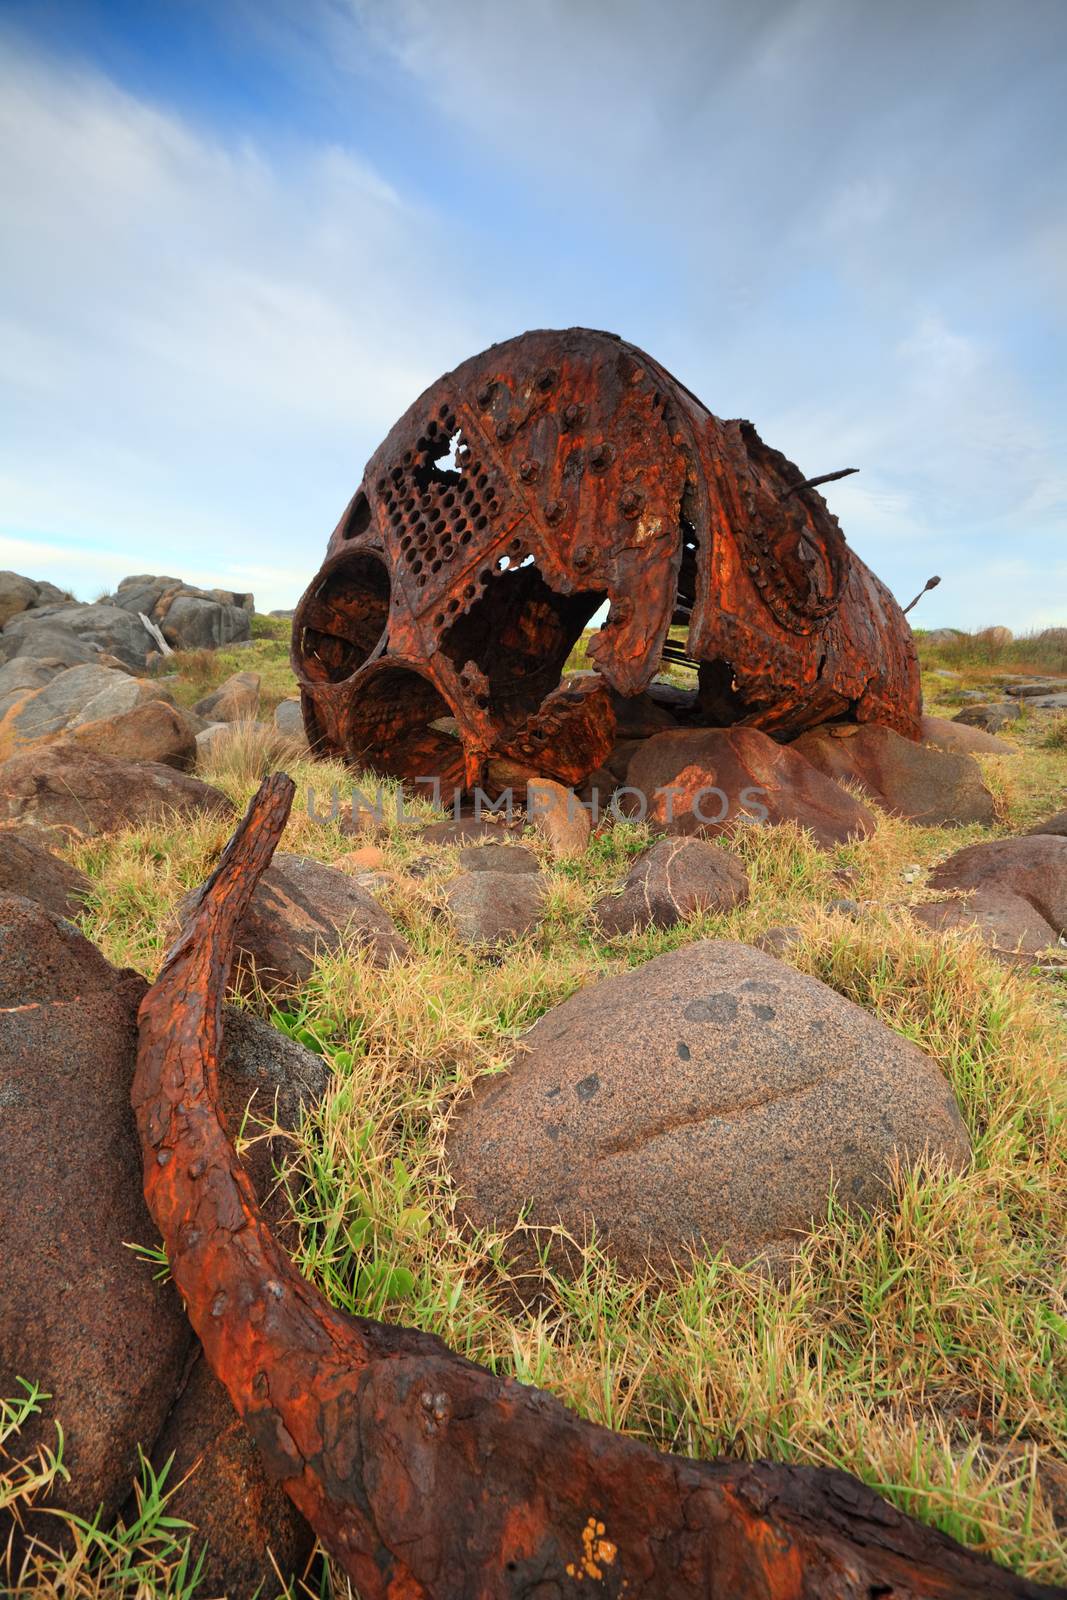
point(598, 1552)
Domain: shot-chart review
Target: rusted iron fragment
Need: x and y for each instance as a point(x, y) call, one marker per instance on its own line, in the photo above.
point(540, 481)
point(428, 1476)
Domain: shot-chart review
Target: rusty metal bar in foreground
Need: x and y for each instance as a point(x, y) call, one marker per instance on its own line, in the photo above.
point(544, 480)
point(425, 1475)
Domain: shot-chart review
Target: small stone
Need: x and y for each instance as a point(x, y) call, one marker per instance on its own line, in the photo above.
point(970, 739)
point(673, 880)
point(366, 859)
point(497, 858)
point(302, 909)
point(1032, 688)
point(843, 907)
point(289, 719)
point(990, 717)
point(1056, 824)
point(466, 830)
point(558, 816)
point(777, 941)
point(235, 700)
point(494, 908)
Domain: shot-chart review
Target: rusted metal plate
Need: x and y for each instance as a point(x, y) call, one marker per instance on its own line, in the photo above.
point(426, 1476)
point(539, 480)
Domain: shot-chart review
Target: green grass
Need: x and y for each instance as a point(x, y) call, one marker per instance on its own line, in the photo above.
point(924, 1349)
point(1035, 652)
point(200, 671)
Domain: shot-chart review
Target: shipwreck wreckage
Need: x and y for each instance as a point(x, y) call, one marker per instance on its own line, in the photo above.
point(541, 481)
point(425, 1476)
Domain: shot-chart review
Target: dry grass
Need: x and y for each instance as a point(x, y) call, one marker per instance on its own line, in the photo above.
point(924, 1349)
point(241, 758)
point(201, 671)
point(1035, 652)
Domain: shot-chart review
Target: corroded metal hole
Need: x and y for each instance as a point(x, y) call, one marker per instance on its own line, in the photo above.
point(342, 619)
point(518, 634)
point(391, 725)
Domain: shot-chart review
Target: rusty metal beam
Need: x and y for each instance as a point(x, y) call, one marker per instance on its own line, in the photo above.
point(539, 481)
point(425, 1476)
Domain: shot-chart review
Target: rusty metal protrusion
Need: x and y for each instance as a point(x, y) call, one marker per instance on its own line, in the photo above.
point(425, 1476)
point(540, 482)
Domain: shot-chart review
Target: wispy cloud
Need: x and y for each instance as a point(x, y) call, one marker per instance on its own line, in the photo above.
point(838, 221)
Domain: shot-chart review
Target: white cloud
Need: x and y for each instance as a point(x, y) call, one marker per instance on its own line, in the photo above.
point(203, 341)
point(832, 221)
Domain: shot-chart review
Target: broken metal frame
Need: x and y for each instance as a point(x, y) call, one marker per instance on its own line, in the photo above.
point(541, 480)
point(425, 1476)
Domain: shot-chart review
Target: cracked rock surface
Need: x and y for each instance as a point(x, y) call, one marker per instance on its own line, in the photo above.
point(672, 880)
point(702, 1101)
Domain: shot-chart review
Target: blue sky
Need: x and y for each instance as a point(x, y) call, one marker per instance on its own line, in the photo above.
point(239, 238)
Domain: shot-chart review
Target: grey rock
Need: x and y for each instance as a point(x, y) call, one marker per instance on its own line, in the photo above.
point(210, 736)
point(47, 641)
point(1049, 702)
point(990, 716)
point(917, 781)
point(189, 618)
point(1033, 866)
point(100, 627)
point(301, 910)
point(63, 786)
point(673, 880)
point(494, 908)
point(143, 592)
point(21, 676)
point(497, 858)
point(1032, 688)
point(707, 1100)
point(940, 636)
point(235, 700)
point(65, 697)
point(121, 693)
point(289, 719)
point(29, 870)
point(195, 623)
point(1006, 921)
